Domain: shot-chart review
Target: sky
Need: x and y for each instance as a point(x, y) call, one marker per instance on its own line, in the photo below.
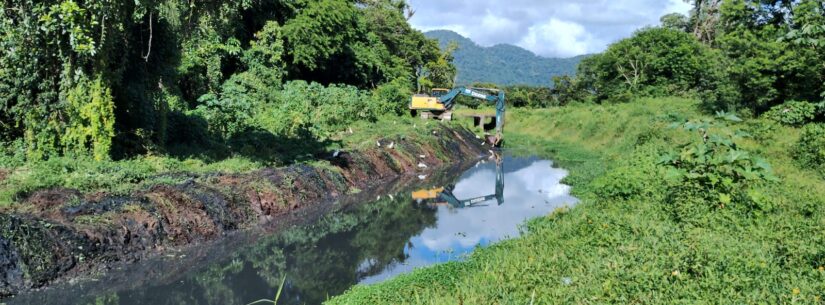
point(550, 28)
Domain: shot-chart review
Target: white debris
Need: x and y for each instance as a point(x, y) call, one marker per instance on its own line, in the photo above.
point(415, 125)
point(336, 153)
point(378, 198)
point(350, 130)
point(392, 145)
point(477, 137)
point(566, 281)
point(491, 152)
point(391, 197)
point(422, 156)
point(422, 165)
point(378, 143)
point(422, 177)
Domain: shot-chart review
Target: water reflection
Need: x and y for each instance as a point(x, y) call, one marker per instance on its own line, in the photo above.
point(363, 243)
point(444, 196)
point(474, 217)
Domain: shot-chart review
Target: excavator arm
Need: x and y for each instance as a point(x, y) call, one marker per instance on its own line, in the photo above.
point(449, 100)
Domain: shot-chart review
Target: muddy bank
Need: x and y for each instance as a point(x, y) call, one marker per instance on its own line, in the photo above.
point(61, 233)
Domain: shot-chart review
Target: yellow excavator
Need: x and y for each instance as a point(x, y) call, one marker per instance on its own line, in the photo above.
point(439, 105)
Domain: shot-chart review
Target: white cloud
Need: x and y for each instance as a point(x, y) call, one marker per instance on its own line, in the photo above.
point(546, 27)
point(559, 37)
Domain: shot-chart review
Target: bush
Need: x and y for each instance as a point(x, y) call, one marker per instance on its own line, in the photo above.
point(793, 113)
point(810, 149)
point(302, 106)
point(714, 171)
point(395, 95)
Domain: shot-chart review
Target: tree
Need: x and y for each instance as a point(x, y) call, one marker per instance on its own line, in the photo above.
point(809, 30)
point(439, 73)
point(676, 21)
point(764, 68)
point(655, 61)
point(704, 19)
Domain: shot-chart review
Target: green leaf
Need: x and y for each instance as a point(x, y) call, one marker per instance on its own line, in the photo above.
point(725, 199)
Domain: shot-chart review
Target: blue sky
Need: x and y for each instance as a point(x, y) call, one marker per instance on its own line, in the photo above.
point(552, 28)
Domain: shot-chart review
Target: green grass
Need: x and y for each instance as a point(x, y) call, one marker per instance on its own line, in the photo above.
point(620, 250)
point(124, 176)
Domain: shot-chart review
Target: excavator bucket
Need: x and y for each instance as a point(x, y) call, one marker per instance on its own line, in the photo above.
point(493, 140)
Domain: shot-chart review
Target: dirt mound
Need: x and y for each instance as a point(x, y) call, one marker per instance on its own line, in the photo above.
point(58, 233)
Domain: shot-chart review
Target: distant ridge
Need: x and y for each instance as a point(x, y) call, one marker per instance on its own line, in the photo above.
point(503, 63)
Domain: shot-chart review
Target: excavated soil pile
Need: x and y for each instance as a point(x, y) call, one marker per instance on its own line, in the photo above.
point(59, 233)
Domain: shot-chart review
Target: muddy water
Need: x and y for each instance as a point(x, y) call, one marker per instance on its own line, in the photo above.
point(438, 219)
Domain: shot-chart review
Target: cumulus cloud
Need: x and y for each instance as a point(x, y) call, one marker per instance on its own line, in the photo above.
point(554, 28)
point(560, 38)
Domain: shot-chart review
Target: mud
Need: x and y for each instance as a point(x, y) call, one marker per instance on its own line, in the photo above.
point(59, 234)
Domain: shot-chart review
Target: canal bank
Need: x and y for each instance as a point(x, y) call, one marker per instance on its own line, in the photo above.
point(370, 237)
point(60, 234)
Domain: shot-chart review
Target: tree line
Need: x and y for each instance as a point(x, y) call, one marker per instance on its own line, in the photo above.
point(110, 78)
point(746, 55)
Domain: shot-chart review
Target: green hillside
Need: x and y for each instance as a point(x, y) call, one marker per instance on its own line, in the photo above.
point(503, 64)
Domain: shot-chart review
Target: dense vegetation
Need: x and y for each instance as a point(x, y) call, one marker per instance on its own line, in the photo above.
point(502, 64)
point(712, 196)
point(171, 85)
point(102, 78)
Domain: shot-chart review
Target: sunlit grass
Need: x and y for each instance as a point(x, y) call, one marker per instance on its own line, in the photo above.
point(634, 251)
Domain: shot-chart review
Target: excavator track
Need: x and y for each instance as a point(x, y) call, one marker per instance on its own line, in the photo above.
point(444, 116)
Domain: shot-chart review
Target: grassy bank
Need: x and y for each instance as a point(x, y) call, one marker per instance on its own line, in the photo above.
point(19, 178)
point(635, 237)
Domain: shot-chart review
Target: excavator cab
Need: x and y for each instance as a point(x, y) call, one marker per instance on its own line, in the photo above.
point(439, 92)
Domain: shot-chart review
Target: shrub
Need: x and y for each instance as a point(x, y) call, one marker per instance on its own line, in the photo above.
point(793, 113)
point(714, 171)
point(810, 149)
point(394, 95)
point(302, 106)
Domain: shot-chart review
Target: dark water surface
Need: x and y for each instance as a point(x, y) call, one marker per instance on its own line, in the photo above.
point(438, 219)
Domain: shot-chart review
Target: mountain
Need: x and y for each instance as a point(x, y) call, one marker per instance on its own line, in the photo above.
point(502, 64)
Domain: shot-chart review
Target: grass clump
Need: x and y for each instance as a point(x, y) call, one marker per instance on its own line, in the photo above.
point(810, 149)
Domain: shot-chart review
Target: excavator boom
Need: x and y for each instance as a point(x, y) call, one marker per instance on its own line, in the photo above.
point(443, 103)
